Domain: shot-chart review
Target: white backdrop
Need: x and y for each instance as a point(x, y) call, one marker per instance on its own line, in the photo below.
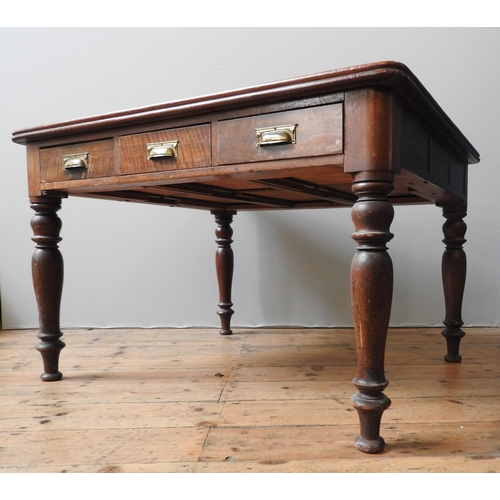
point(144, 266)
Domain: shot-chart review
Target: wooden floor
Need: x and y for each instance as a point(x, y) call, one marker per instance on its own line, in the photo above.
point(264, 400)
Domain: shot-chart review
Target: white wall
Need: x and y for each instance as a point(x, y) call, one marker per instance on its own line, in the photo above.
point(136, 265)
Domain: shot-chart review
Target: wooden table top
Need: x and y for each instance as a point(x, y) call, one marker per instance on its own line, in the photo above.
point(282, 145)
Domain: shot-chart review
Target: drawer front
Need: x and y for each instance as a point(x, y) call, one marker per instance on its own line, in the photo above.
point(78, 161)
point(297, 133)
point(172, 149)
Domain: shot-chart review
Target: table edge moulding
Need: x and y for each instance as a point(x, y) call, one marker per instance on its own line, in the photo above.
point(367, 137)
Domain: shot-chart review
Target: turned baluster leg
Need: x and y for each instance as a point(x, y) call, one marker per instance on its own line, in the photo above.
point(454, 267)
point(371, 289)
point(224, 263)
point(47, 268)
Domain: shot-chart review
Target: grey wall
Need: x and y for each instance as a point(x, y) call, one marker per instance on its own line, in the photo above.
point(136, 265)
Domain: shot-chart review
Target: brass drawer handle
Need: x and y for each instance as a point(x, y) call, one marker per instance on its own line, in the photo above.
point(74, 161)
point(268, 136)
point(162, 149)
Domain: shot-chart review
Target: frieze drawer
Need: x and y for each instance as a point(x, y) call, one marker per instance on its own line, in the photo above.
point(85, 160)
point(163, 150)
point(297, 133)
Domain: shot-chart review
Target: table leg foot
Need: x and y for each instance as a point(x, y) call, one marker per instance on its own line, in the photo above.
point(370, 409)
point(50, 357)
point(452, 355)
point(369, 445)
point(371, 291)
point(454, 269)
point(224, 263)
point(47, 270)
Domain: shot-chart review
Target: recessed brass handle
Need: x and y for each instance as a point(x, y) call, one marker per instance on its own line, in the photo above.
point(74, 161)
point(268, 136)
point(163, 149)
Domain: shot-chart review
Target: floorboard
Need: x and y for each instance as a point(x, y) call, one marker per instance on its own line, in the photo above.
point(262, 400)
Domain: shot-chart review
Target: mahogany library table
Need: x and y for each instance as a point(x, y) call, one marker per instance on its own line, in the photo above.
point(366, 137)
